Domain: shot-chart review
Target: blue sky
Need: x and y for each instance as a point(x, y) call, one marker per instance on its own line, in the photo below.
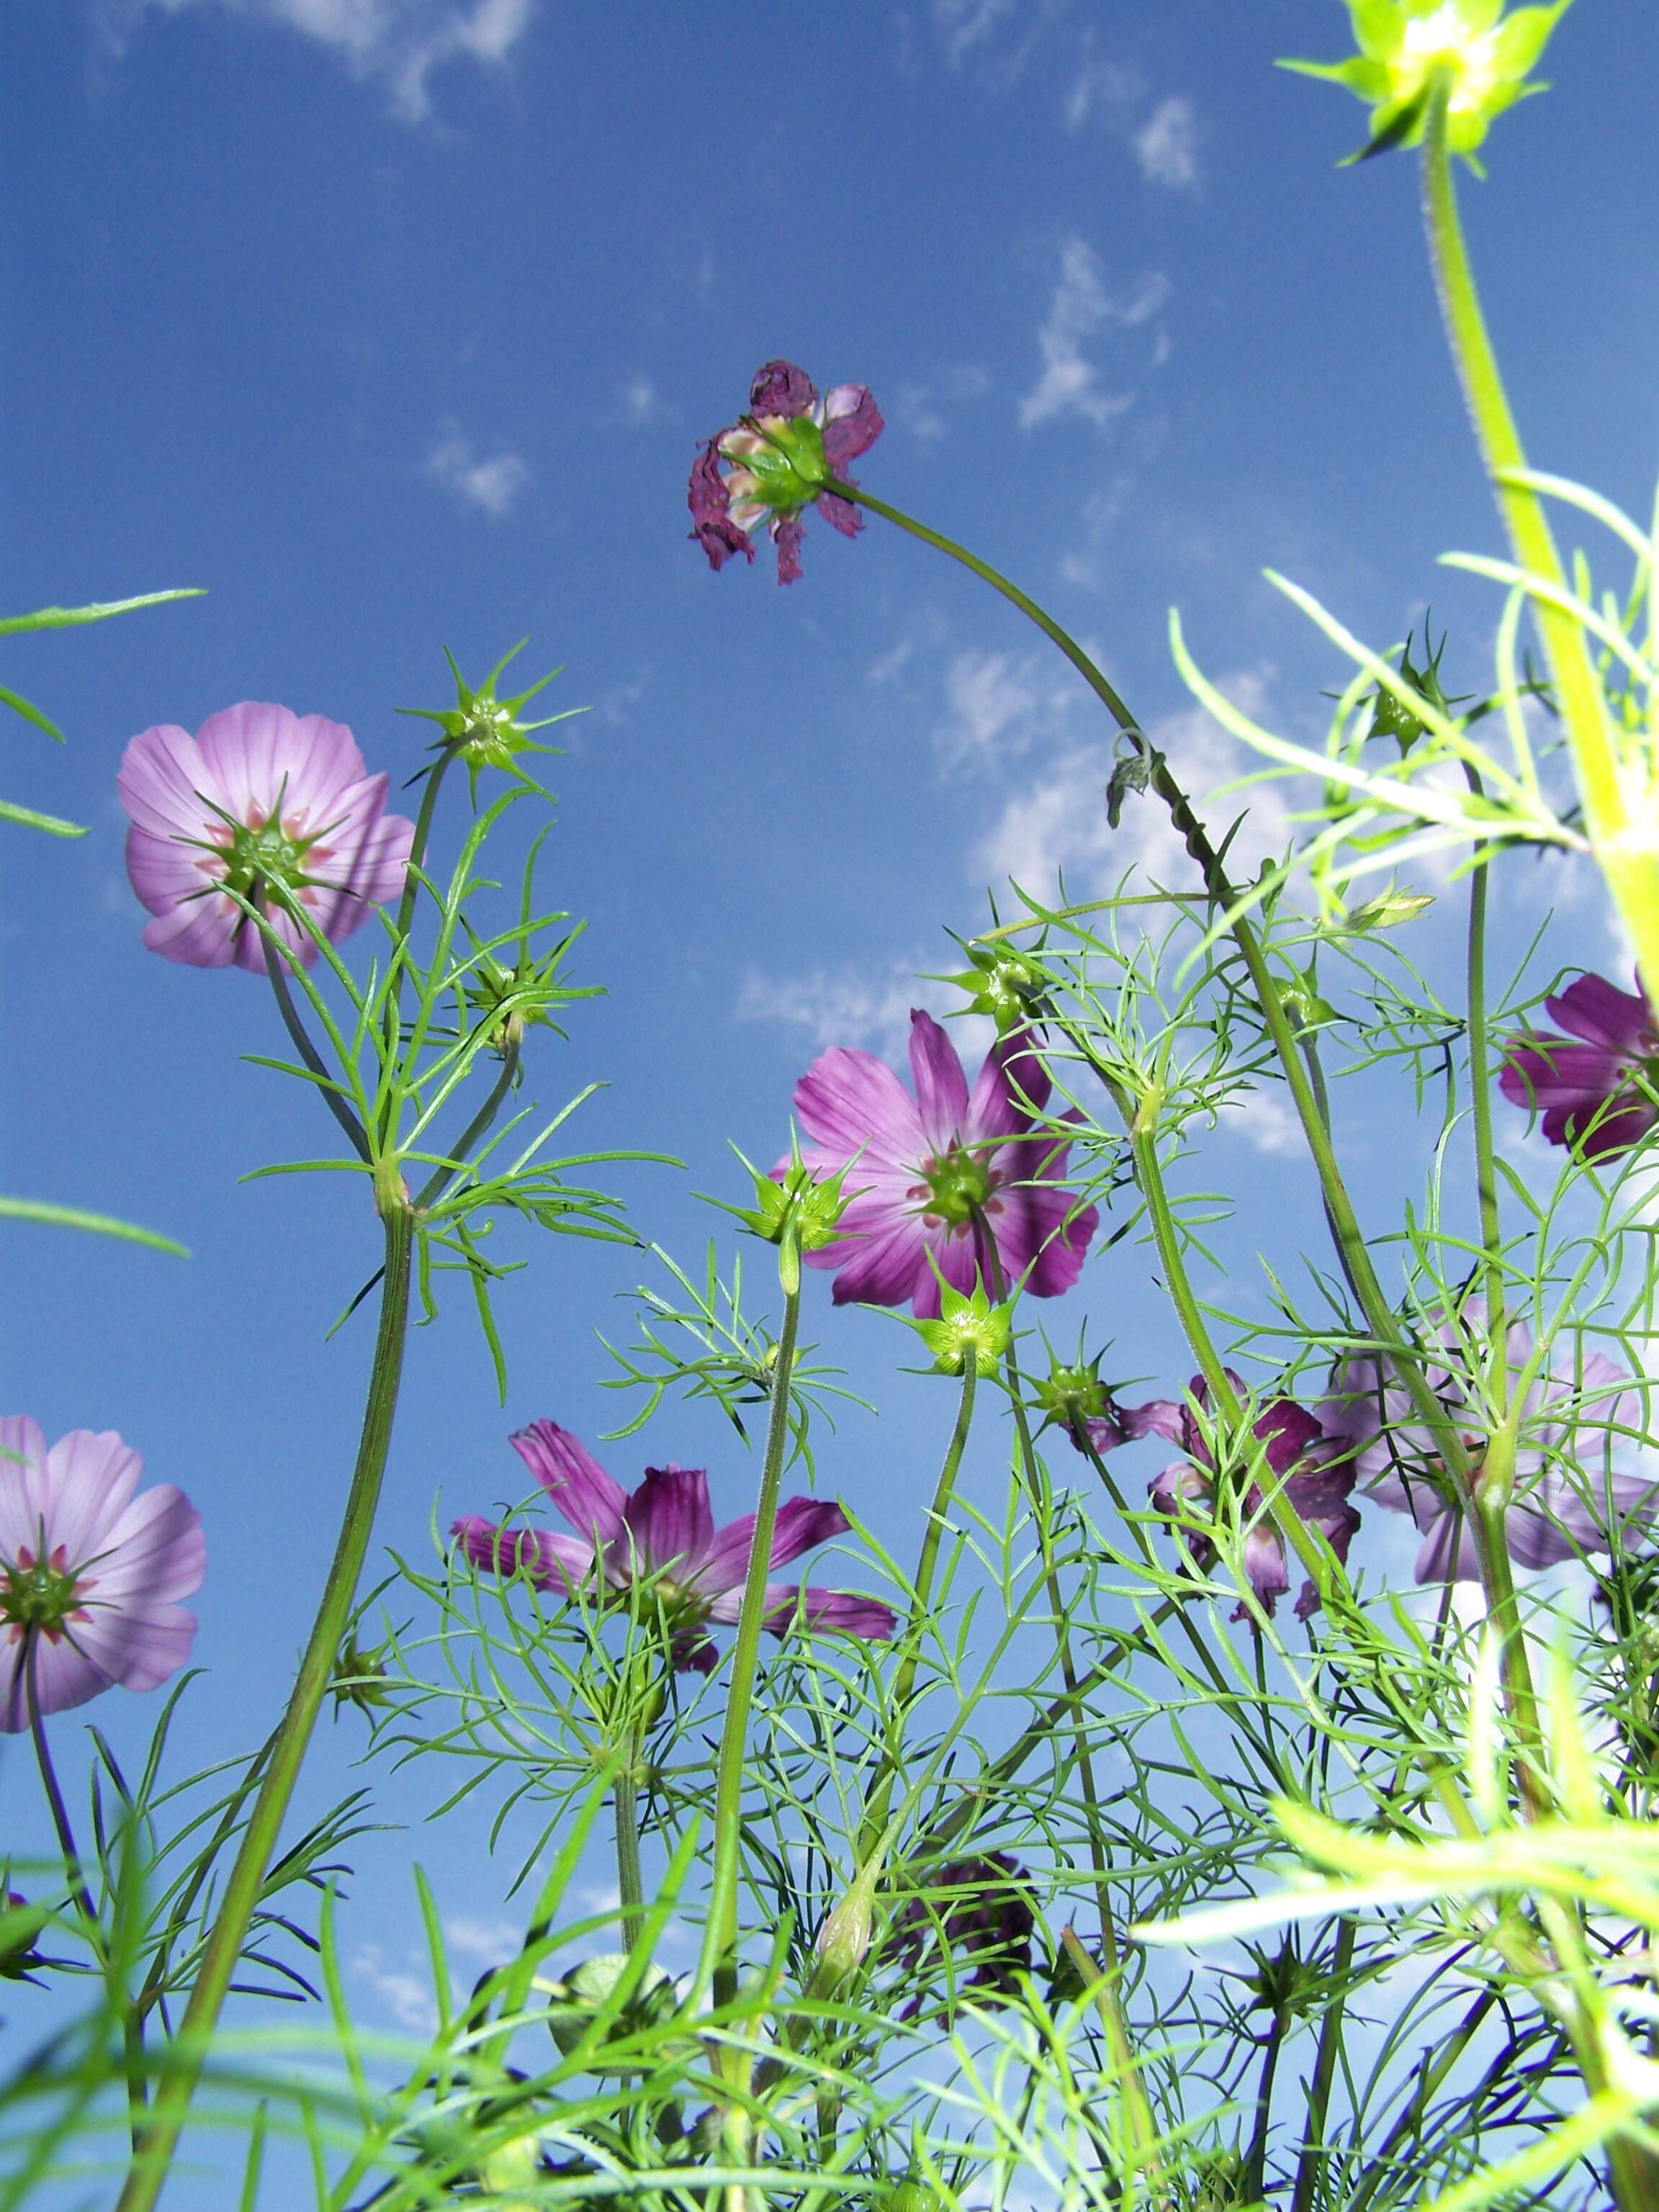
point(395, 324)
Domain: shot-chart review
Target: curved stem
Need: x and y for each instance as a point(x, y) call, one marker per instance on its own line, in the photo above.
point(327, 1084)
point(222, 1951)
point(1623, 847)
point(720, 1942)
point(439, 1181)
point(1310, 2164)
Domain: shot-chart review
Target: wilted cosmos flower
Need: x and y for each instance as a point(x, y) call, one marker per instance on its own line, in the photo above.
point(1314, 1474)
point(1567, 1500)
point(270, 805)
point(777, 461)
point(1588, 1089)
point(971, 1183)
point(660, 1542)
point(90, 1574)
point(974, 1922)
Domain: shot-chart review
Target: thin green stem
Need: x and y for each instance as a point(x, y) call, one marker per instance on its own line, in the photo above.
point(1310, 2164)
point(719, 1942)
point(439, 1181)
point(1254, 2175)
point(1624, 847)
point(874, 1822)
point(60, 1818)
point(222, 1951)
point(1485, 1158)
point(327, 1084)
point(630, 1881)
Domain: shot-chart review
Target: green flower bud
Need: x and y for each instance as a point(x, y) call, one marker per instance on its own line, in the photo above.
point(1407, 47)
point(360, 1677)
point(969, 1327)
point(844, 1939)
point(486, 731)
point(589, 1988)
point(1003, 982)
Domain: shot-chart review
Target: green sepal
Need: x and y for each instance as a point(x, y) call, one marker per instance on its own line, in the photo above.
point(968, 1324)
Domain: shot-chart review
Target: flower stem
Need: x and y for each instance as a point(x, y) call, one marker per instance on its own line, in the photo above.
point(904, 1682)
point(630, 1881)
point(439, 1181)
point(222, 1951)
point(1310, 2164)
point(719, 1942)
point(1624, 847)
point(327, 1084)
point(60, 1818)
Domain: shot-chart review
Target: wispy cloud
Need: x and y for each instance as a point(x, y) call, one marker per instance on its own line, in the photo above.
point(1058, 822)
point(1166, 145)
point(1109, 90)
point(489, 484)
point(835, 1006)
point(642, 403)
point(397, 42)
point(1081, 307)
point(960, 26)
point(920, 407)
point(405, 1997)
point(999, 705)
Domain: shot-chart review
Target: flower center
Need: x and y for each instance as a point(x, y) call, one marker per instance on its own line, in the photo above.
point(958, 1186)
point(1443, 40)
point(780, 462)
point(41, 1594)
point(265, 853)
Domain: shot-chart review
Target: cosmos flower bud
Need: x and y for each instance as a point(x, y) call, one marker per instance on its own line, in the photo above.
point(843, 1941)
point(969, 1327)
point(1407, 46)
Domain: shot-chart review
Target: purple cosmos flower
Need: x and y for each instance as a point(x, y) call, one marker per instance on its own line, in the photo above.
point(271, 806)
point(978, 1913)
point(663, 1536)
point(1588, 1091)
point(90, 1576)
point(779, 457)
point(973, 1184)
point(1313, 1467)
point(1568, 1498)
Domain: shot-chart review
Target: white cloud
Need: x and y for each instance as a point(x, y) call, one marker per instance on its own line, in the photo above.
point(1266, 1120)
point(641, 403)
point(397, 42)
point(842, 1005)
point(405, 1997)
point(1166, 145)
point(1109, 89)
point(1058, 822)
point(962, 25)
point(491, 1942)
point(491, 483)
point(1081, 307)
point(1000, 704)
point(920, 408)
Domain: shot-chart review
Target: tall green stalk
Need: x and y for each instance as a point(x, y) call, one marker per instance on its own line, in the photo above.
point(153, 2155)
point(1622, 842)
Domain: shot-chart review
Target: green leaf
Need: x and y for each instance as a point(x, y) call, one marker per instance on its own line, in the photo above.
point(30, 713)
point(100, 1224)
point(53, 825)
point(100, 610)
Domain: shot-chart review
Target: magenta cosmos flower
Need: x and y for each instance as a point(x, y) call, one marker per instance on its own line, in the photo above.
point(662, 1540)
point(270, 805)
point(972, 1183)
point(778, 459)
point(1314, 1467)
point(1568, 1499)
point(1588, 1090)
point(90, 1576)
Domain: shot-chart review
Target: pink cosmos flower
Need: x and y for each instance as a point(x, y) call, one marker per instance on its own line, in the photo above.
point(663, 1537)
point(778, 459)
point(1587, 1091)
point(260, 802)
point(90, 1576)
point(973, 1183)
point(1568, 1498)
point(1313, 1467)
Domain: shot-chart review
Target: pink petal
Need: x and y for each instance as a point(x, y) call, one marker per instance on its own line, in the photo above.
point(850, 1102)
point(851, 424)
point(883, 1271)
point(1013, 1087)
point(840, 513)
point(941, 1086)
point(787, 532)
point(669, 1524)
point(1044, 1230)
point(781, 388)
point(1597, 1011)
point(593, 1504)
point(801, 1523)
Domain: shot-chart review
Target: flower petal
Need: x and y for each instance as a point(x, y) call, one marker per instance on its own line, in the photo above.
point(781, 388)
point(851, 424)
point(669, 1523)
point(850, 1103)
point(590, 1500)
point(941, 1086)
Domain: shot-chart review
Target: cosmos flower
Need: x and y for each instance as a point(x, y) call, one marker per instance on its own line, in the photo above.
point(1568, 1499)
point(661, 1543)
point(90, 1576)
point(971, 1184)
point(262, 803)
point(1588, 1090)
point(778, 459)
point(974, 1919)
point(1312, 1466)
